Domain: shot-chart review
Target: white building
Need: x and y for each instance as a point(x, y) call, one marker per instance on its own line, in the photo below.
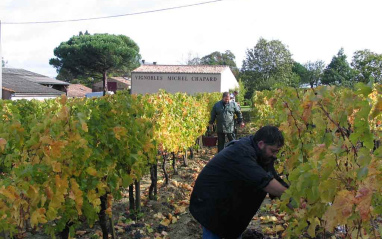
point(182, 78)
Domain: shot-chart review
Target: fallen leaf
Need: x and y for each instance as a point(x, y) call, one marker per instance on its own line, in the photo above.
point(159, 215)
point(268, 219)
point(179, 209)
point(279, 228)
point(165, 222)
point(175, 183)
point(184, 202)
point(80, 233)
point(119, 229)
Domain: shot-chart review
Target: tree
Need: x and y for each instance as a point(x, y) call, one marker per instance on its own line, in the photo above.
point(86, 33)
point(367, 65)
point(226, 58)
point(267, 65)
point(338, 72)
point(314, 73)
point(96, 55)
point(299, 69)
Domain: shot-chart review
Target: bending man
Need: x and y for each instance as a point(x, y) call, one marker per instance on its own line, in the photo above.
point(231, 187)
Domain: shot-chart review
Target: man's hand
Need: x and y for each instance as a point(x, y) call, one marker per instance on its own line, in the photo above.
point(242, 125)
point(275, 188)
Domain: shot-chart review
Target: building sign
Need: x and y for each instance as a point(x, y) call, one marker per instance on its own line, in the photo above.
point(190, 83)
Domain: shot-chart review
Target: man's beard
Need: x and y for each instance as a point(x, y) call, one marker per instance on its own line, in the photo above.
point(265, 159)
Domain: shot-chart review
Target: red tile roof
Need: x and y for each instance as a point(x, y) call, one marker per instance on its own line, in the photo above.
point(78, 90)
point(180, 69)
point(121, 79)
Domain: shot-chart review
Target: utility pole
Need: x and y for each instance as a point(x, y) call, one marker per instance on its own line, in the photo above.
point(1, 68)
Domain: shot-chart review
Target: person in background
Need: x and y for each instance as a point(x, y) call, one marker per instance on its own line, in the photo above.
point(232, 186)
point(224, 112)
point(233, 96)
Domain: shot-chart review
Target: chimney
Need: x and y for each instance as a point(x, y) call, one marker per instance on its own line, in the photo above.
point(154, 63)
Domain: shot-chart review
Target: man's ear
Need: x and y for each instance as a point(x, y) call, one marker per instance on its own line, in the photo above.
point(261, 144)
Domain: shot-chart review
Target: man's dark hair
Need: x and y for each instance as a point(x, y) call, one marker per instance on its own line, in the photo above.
point(225, 94)
point(271, 135)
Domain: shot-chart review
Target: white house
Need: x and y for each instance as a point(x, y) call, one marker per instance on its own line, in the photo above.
point(182, 78)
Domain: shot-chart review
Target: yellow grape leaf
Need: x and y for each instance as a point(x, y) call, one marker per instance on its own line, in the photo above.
point(91, 171)
point(3, 143)
point(33, 195)
point(57, 201)
point(119, 131)
point(38, 216)
point(363, 200)
point(312, 228)
point(51, 214)
point(109, 205)
point(307, 111)
point(93, 198)
point(377, 109)
point(340, 211)
point(109, 211)
point(45, 139)
point(43, 200)
point(55, 148)
point(9, 192)
point(56, 167)
point(63, 99)
point(148, 146)
point(327, 190)
point(76, 194)
point(49, 193)
point(84, 127)
point(63, 114)
point(61, 185)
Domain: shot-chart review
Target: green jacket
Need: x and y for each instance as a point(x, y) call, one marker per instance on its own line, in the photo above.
point(224, 114)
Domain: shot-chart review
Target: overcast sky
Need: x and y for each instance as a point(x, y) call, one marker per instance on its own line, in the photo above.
point(312, 29)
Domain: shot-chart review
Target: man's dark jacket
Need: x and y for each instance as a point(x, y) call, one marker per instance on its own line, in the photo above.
point(224, 114)
point(229, 190)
